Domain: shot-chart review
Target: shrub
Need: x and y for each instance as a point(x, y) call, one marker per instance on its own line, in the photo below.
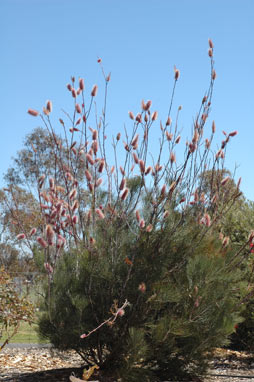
point(13, 309)
point(139, 281)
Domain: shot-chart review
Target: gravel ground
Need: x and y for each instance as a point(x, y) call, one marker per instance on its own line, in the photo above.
point(33, 363)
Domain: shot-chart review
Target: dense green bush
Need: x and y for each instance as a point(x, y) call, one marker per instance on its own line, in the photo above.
point(182, 293)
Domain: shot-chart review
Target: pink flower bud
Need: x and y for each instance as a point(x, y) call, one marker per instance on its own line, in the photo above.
point(131, 115)
point(122, 171)
point(137, 215)
point(95, 146)
point(135, 140)
point(233, 133)
point(83, 335)
point(139, 118)
point(163, 190)
point(69, 87)
point(225, 241)
point(149, 228)
point(98, 182)
point(122, 184)
point(42, 242)
point(206, 220)
point(51, 183)
point(169, 136)
point(148, 105)
point(75, 206)
point(33, 231)
point(154, 115)
point(88, 175)
point(168, 122)
point(89, 159)
point(78, 108)
point(75, 219)
point(142, 287)
point(108, 77)
point(32, 112)
point(99, 213)
point(50, 234)
point(148, 170)
point(120, 312)
point(166, 214)
point(225, 180)
point(142, 166)
point(81, 84)
point(210, 52)
point(48, 268)
point(172, 157)
point(177, 73)
point(73, 194)
point(73, 92)
point(135, 157)
point(101, 166)
point(207, 143)
point(178, 139)
point(172, 186)
point(49, 106)
point(210, 43)
point(142, 224)
point(213, 127)
point(125, 194)
point(94, 91)
point(21, 236)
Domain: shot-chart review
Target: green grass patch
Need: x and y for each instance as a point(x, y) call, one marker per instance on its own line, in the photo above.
point(26, 334)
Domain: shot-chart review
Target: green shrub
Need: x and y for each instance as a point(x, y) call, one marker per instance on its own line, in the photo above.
point(139, 280)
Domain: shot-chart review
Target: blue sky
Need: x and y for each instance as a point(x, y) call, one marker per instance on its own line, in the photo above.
point(44, 42)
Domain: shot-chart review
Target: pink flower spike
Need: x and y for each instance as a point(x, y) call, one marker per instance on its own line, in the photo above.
point(142, 287)
point(122, 184)
point(225, 180)
point(75, 219)
point(32, 112)
point(120, 312)
point(99, 213)
point(94, 91)
point(154, 115)
point(131, 115)
point(233, 133)
point(149, 228)
point(81, 84)
point(49, 106)
point(142, 224)
point(33, 231)
point(48, 268)
point(125, 194)
point(21, 236)
point(42, 242)
point(88, 175)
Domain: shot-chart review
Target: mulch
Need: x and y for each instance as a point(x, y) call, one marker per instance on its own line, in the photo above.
point(46, 364)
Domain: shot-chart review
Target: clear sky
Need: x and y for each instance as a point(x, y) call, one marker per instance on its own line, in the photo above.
point(44, 42)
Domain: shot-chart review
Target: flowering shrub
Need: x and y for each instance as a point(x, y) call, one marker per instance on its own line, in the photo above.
point(13, 309)
point(137, 270)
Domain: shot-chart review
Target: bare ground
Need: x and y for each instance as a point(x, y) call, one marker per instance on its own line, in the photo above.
point(44, 364)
